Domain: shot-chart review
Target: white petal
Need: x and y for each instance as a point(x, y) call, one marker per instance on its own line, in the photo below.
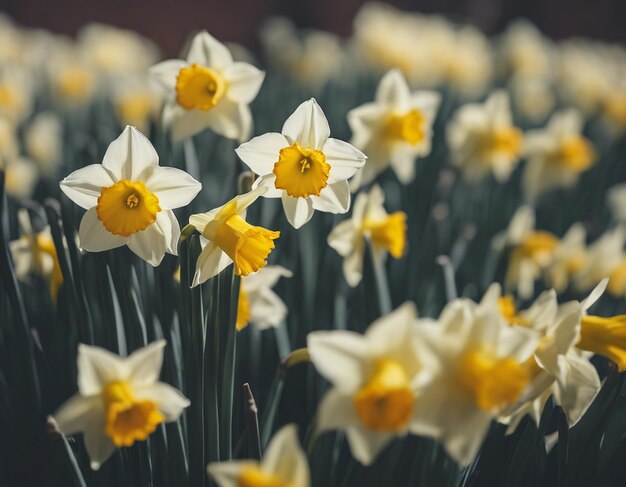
point(364, 122)
point(308, 125)
point(232, 120)
point(297, 210)
point(84, 186)
point(393, 90)
point(129, 155)
point(211, 261)
point(267, 277)
point(595, 294)
point(402, 161)
point(78, 413)
point(285, 459)
point(262, 152)
point(517, 342)
point(269, 183)
point(266, 309)
point(165, 73)
point(338, 356)
point(343, 237)
point(353, 264)
point(344, 159)
point(99, 447)
point(366, 444)
point(208, 51)
point(464, 435)
point(580, 388)
point(336, 411)
point(243, 81)
point(170, 401)
point(145, 364)
point(174, 187)
point(167, 222)
point(226, 474)
point(96, 368)
point(334, 198)
point(152, 243)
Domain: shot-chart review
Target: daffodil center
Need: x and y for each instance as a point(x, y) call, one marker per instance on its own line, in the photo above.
point(128, 419)
point(503, 141)
point(134, 108)
point(606, 337)
point(493, 383)
point(199, 88)
point(243, 310)
point(538, 246)
point(255, 477)
point(409, 127)
point(127, 207)
point(247, 245)
point(575, 153)
point(508, 310)
point(617, 280)
point(7, 97)
point(389, 233)
point(300, 171)
point(385, 402)
point(75, 83)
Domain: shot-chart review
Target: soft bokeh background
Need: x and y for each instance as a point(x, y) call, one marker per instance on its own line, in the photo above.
point(168, 22)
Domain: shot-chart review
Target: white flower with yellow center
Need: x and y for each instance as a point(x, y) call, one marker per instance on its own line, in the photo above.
point(16, 93)
point(284, 464)
point(605, 259)
point(568, 258)
point(394, 129)
point(386, 232)
point(556, 155)
point(135, 100)
point(34, 252)
point(480, 373)
point(483, 139)
point(258, 304)
point(129, 199)
point(44, 142)
point(228, 238)
point(558, 368)
point(208, 90)
point(526, 51)
point(72, 78)
point(119, 400)
point(376, 380)
point(531, 251)
point(303, 165)
point(21, 176)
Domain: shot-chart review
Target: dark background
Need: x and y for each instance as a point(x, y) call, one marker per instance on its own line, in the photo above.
point(168, 22)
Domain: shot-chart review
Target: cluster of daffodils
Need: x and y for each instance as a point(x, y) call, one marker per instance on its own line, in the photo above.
point(451, 377)
point(566, 262)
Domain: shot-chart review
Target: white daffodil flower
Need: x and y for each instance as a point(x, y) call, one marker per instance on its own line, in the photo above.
point(394, 129)
point(480, 373)
point(556, 155)
point(73, 80)
point(387, 234)
point(376, 380)
point(34, 252)
point(558, 368)
point(531, 251)
point(526, 51)
point(303, 165)
point(605, 258)
point(208, 90)
point(533, 98)
point(129, 199)
point(16, 93)
point(44, 142)
point(135, 100)
point(284, 464)
point(228, 238)
point(568, 258)
point(616, 201)
point(119, 400)
point(258, 304)
point(21, 176)
point(483, 139)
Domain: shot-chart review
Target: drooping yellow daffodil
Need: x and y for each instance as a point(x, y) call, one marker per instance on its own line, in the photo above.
point(258, 304)
point(130, 198)
point(558, 368)
point(480, 372)
point(303, 165)
point(229, 238)
point(34, 252)
point(557, 155)
point(208, 90)
point(606, 337)
point(483, 139)
point(119, 400)
point(284, 464)
point(394, 129)
point(531, 251)
point(386, 232)
point(376, 380)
